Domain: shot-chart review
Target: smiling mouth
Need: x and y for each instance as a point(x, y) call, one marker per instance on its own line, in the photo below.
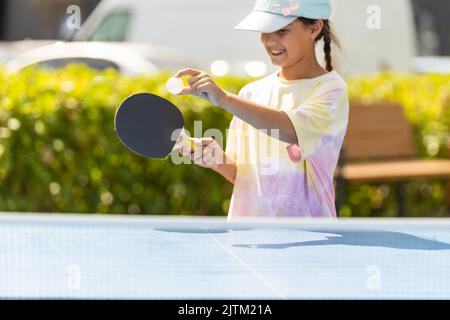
point(277, 52)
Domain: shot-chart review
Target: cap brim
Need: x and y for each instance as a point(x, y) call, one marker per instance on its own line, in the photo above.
point(264, 22)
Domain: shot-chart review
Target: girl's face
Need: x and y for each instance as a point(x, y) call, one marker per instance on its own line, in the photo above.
point(291, 44)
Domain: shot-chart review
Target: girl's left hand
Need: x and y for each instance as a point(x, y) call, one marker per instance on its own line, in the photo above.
point(201, 85)
point(206, 153)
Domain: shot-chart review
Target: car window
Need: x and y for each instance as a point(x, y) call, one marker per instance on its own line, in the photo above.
point(113, 27)
point(432, 25)
point(99, 64)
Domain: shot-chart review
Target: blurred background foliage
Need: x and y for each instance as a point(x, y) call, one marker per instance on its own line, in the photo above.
point(426, 103)
point(59, 151)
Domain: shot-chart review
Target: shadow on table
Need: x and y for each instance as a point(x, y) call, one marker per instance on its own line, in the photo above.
point(201, 230)
point(383, 239)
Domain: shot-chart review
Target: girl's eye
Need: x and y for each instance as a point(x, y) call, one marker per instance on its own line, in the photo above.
point(282, 31)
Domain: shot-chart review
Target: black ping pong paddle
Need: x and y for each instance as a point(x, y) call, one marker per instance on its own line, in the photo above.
point(150, 126)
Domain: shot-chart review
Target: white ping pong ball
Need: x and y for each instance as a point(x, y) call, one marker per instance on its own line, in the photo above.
point(175, 85)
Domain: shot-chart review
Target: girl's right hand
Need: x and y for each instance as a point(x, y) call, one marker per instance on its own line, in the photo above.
point(206, 153)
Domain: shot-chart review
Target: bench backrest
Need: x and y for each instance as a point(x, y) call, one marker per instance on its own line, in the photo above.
point(378, 131)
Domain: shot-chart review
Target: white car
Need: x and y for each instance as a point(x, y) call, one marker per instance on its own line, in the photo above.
point(203, 30)
point(5, 55)
point(127, 58)
point(430, 64)
point(12, 49)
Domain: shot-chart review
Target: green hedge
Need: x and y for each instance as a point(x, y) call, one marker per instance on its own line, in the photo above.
point(59, 152)
point(426, 102)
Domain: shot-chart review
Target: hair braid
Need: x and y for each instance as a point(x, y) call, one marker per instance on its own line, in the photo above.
point(328, 37)
point(327, 45)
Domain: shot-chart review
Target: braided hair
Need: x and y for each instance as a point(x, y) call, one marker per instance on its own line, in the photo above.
point(328, 37)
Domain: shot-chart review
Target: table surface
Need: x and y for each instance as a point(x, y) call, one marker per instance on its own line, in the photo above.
point(122, 257)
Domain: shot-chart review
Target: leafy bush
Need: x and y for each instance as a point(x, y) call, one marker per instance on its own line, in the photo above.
point(425, 99)
point(59, 151)
point(426, 102)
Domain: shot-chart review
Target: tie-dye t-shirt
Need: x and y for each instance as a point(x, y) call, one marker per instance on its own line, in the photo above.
point(277, 179)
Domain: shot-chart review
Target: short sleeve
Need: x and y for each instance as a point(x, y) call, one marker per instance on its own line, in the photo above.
point(321, 117)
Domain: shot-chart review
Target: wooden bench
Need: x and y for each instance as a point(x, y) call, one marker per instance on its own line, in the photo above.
point(379, 147)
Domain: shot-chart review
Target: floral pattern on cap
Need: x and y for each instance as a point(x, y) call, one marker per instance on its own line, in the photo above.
point(284, 7)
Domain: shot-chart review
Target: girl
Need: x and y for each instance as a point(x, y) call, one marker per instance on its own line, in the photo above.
point(301, 110)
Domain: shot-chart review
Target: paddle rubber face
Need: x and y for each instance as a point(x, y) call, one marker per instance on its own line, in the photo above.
point(148, 125)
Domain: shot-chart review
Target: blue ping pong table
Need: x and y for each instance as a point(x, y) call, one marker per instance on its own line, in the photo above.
point(121, 257)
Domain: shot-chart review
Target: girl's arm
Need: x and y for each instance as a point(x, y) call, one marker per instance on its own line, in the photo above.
point(259, 116)
point(228, 171)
